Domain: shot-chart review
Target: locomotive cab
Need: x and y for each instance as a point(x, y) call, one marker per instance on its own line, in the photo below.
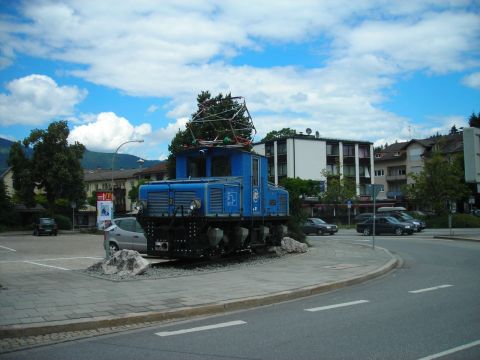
point(220, 202)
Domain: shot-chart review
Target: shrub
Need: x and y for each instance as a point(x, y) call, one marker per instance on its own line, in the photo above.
point(63, 222)
point(458, 221)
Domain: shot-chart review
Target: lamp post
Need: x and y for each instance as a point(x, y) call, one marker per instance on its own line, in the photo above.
point(113, 162)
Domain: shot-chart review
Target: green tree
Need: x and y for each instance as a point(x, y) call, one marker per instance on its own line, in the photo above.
point(133, 193)
point(7, 214)
point(474, 120)
point(276, 134)
point(54, 167)
point(206, 124)
point(338, 190)
point(297, 190)
point(440, 183)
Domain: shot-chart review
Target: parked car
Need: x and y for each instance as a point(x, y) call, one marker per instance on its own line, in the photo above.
point(45, 226)
point(384, 224)
point(362, 217)
point(124, 233)
point(318, 226)
point(418, 225)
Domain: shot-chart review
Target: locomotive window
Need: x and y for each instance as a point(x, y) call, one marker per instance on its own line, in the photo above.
point(221, 166)
point(255, 172)
point(196, 167)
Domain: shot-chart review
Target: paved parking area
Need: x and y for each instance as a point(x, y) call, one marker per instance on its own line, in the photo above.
point(24, 256)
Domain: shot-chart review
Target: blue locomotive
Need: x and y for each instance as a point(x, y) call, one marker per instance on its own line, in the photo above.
point(220, 202)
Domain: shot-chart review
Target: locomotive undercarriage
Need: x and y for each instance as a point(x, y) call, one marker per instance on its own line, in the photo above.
point(197, 237)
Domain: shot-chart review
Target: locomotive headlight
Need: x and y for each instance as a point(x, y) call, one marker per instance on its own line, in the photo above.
point(195, 204)
point(142, 205)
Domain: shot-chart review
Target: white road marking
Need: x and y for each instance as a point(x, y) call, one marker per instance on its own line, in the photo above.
point(50, 266)
point(429, 289)
point(69, 258)
point(328, 307)
point(451, 351)
point(4, 247)
point(201, 328)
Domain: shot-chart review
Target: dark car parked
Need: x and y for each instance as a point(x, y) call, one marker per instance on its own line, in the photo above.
point(418, 225)
point(45, 226)
point(385, 224)
point(318, 226)
point(125, 233)
point(362, 217)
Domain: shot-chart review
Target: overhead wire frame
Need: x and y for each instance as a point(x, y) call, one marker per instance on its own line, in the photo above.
point(227, 129)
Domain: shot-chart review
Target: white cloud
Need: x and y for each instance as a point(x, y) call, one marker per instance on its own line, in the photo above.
point(152, 109)
point(178, 49)
point(472, 80)
point(108, 132)
point(36, 99)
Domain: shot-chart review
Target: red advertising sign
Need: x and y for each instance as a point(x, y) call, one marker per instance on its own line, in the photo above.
point(104, 196)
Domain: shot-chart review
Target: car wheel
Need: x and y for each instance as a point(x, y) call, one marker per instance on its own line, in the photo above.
point(398, 231)
point(332, 233)
point(112, 248)
point(320, 232)
point(366, 231)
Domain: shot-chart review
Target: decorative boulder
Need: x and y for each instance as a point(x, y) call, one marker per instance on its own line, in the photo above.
point(290, 245)
point(124, 263)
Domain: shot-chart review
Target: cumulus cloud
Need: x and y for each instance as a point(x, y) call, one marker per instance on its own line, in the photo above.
point(472, 80)
point(108, 132)
point(36, 99)
point(178, 49)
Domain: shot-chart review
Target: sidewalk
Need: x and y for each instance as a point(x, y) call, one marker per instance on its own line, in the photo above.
point(57, 302)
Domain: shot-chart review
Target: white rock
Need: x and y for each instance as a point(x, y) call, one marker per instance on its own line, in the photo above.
point(125, 263)
point(293, 246)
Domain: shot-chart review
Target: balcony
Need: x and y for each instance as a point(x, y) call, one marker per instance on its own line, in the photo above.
point(396, 177)
point(395, 195)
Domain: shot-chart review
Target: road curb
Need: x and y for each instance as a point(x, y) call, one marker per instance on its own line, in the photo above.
point(458, 238)
point(17, 331)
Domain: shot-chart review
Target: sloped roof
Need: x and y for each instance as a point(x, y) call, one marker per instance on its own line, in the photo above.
point(103, 174)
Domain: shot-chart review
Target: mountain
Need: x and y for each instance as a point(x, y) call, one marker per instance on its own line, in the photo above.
point(91, 159)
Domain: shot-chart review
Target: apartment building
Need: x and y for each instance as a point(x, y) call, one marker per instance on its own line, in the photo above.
point(308, 156)
point(123, 181)
point(395, 162)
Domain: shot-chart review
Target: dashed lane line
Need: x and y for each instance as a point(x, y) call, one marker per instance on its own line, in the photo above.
point(7, 248)
point(328, 307)
point(451, 351)
point(201, 328)
point(430, 289)
point(49, 266)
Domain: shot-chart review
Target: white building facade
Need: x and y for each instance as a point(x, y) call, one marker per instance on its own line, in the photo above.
point(309, 157)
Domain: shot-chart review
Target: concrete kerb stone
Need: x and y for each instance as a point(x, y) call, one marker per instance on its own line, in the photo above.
point(459, 238)
point(16, 331)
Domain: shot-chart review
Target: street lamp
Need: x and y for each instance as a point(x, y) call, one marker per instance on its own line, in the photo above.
point(113, 161)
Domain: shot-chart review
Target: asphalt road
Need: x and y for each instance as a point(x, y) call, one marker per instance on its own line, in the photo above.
point(428, 308)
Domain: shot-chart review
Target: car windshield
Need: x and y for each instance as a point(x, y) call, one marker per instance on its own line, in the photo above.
point(392, 219)
point(318, 221)
point(46, 221)
point(405, 216)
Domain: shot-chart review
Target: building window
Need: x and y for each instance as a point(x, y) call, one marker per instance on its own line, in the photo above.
point(396, 153)
point(415, 154)
point(378, 155)
point(380, 172)
point(282, 169)
point(269, 150)
point(332, 169)
point(364, 171)
point(348, 150)
point(281, 148)
point(382, 187)
point(402, 172)
point(332, 149)
point(416, 169)
point(363, 151)
point(349, 170)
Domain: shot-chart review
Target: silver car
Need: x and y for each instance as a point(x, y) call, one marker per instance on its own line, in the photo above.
point(125, 233)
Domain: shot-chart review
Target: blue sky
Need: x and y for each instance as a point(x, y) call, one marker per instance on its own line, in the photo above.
point(372, 70)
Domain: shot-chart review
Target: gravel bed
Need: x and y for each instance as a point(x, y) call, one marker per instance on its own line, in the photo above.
point(188, 268)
